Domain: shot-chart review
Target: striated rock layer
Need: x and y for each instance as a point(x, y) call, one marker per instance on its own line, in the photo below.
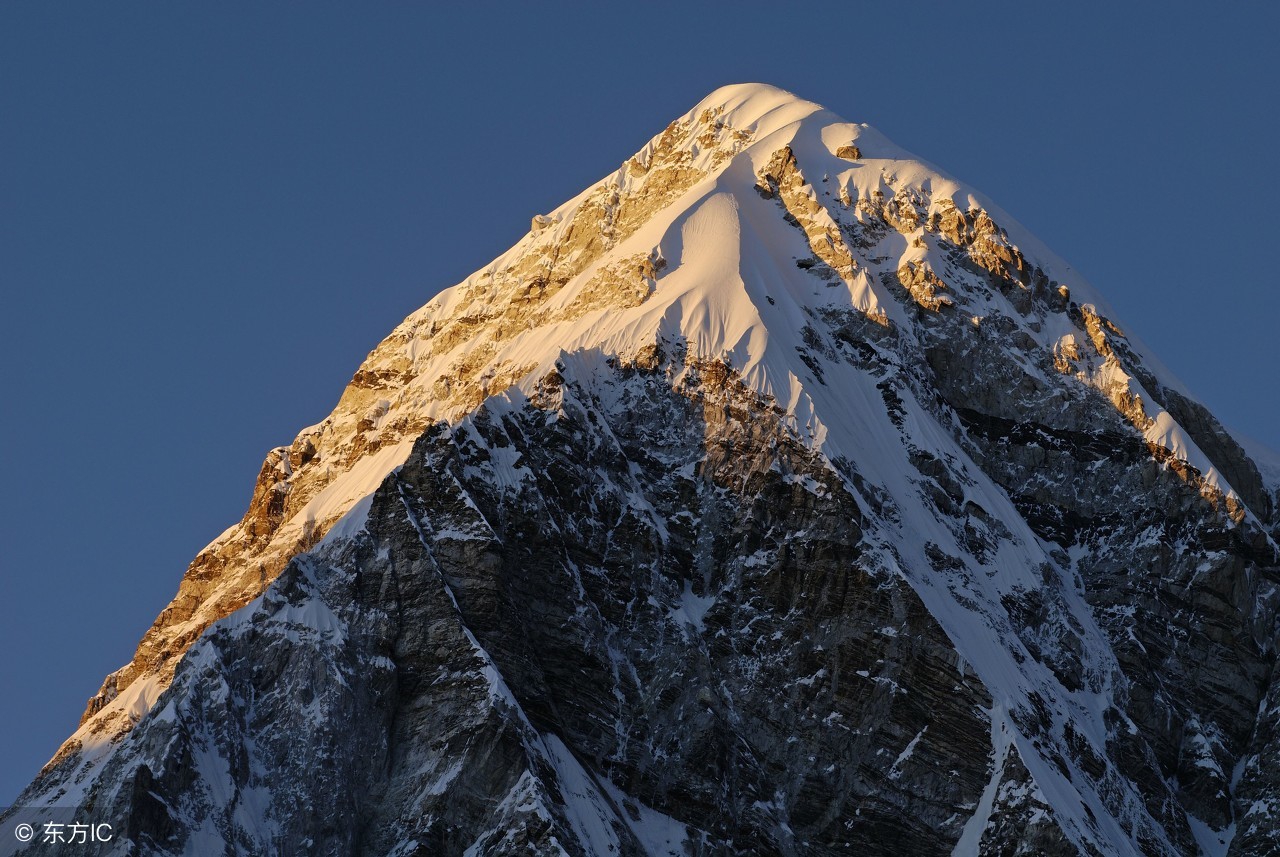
point(776, 495)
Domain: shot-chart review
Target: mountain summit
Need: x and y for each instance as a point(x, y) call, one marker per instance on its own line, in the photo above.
point(778, 494)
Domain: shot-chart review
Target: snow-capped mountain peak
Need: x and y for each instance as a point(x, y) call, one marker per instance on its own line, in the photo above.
point(976, 480)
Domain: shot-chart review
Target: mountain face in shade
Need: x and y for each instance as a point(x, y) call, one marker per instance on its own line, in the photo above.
point(778, 494)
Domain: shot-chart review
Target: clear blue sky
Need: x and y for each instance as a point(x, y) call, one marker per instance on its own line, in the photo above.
point(209, 214)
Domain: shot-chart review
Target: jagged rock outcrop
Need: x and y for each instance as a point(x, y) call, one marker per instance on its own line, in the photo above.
point(777, 495)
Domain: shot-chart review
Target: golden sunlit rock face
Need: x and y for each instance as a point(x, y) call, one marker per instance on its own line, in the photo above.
point(439, 363)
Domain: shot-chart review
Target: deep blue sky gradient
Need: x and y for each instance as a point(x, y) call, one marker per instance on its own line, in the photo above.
point(209, 214)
